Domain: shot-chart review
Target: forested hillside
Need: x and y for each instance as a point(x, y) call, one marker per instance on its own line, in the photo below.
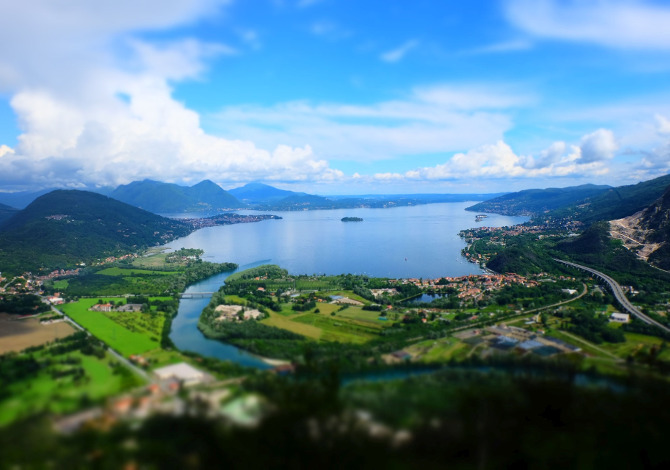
point(63, 228)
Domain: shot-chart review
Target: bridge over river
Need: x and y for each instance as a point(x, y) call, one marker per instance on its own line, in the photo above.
point(195, 295)
point(619, 294)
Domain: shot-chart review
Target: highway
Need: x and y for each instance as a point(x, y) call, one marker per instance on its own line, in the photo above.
point(618, 293)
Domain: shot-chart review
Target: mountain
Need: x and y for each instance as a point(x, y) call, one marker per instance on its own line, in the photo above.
point(615, 203)
point(259, 193)
point(165, 198)
point(647, 232)
point(538, 201)
point(66, 227)
point(6, 212)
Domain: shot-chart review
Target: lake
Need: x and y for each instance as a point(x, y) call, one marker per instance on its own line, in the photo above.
point(402, 242)
point(415, 241)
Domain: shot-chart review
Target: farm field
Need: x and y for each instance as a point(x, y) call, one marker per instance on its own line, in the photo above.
point(42, 392)
point(636, 343)
point(19, 334)
point(285, 323)
point(116, 271)
point(357, 313)
point(119, 336)
point(438, 350)
point(155, 260)
point(343, 330)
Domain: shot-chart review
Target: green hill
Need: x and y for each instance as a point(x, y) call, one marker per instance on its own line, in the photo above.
point(537, 201)
point(165, 198)
point(615, 203)
point(64, 228)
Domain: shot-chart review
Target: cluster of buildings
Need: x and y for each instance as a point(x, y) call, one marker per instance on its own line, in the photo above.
point(236, 313)
point(108, 307)
point(471, 287)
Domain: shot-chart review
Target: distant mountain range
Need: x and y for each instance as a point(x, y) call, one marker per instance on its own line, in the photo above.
point(163, 198)
point(586, 203)
point(538, 201)
point(66, 226)
point(259, 193)
point(206, 196)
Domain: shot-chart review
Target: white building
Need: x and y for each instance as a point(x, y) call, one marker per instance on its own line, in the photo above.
point(185, 373)
point(620, 317)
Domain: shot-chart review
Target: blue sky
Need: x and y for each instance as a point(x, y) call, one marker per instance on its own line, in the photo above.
point(335, 96)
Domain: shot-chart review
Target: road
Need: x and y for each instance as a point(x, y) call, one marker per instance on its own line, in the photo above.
point(117, 355)
point(618, 294)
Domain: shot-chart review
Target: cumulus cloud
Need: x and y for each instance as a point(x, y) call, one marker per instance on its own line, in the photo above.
point(500, 161)
point(5, 150)
point(657, 160)
point(597, 146)
point(397, 54)
point(95, 103)
point(626, 24)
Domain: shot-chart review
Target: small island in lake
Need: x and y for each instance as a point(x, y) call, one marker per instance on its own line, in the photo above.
point(352, 219)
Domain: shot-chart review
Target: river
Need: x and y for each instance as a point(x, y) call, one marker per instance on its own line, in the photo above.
point(403, 242)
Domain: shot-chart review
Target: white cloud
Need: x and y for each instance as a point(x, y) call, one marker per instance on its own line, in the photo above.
point(439, 118)
point(94, 102)
point(397, 54)
point(5, 150)
point(663, 124)
point(496, 161)
point(597, 146)
point(626, 24)
point(501, 47)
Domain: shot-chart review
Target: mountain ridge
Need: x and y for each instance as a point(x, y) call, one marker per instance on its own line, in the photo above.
point(164, 198)
point(66, 227)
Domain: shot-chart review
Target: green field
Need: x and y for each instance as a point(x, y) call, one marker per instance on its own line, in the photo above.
point(63, 395)
point(343, 330)
point(61, 284)
point(152, 261)
point(285, 323)
point(116, 271)
point(441, 350)
point(117, 336)
point(357, 313)
point(637, 343)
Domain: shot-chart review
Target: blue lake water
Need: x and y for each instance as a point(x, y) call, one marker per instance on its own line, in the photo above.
point(415, 241)
point(403, 242)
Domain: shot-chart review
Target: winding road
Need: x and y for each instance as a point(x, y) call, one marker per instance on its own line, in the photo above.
point(618, 294)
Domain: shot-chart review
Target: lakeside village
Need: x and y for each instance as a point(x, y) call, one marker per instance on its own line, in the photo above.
point(386, 322)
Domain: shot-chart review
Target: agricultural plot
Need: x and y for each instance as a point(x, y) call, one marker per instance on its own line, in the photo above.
point(68, 383)
point(113, 333)
point(440, 350)
point(19, 334)
point(637, 344)
point(285, 323)
point(357, 313)
point(116, 271)
point(152, 261)
point(342, 330)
